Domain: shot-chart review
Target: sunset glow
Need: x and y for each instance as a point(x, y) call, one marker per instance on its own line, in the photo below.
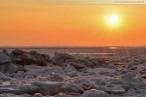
point(113, 20)
point(38, 23)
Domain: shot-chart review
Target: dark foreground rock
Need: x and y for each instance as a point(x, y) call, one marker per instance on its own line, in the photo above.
point(4, 59)
point(4, 77)
point(19, 89)
point(132, 80)
point(95, 93)
point(4, 62)
point(62, 57)
point(26, 58)
point(48, 88)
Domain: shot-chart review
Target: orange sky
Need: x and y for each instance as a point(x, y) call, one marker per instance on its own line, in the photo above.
point(37, 23)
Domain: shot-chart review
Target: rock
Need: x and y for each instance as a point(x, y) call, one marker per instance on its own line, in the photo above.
point(112, 89)
point(13, 95)
point(20, 67)
point(87, 85)
point(132, 80)
point(4, 77)
point(19, 75)
point(62, 57)
point(55, 69)
point(142, 68)
point(73, 74)
point(33, 52)
point(37, 95)
point(105, 71)
point(14, 81)
point(69, 68)
point(8, 68)
point(18, 52)
point(63, 95)
point(71, 88)
point(3, 68)
point(48, 88)
point(19, 89)
point(1, 82)
point(144, 76)
point(85, 61)
point(94, 93)
point(4, 59)
point(6, 52)
point(32, 67)
point(25, 95)
point(26, 58)
point(29, 76)
point(99, 81)
point(4, 62)
point(56, 77)
point(46, 70)
point(11, 68)
point(7, 95)
point(77, 65)
point(40, 59)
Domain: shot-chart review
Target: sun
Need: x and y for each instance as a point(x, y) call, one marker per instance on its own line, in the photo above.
point(113, 19)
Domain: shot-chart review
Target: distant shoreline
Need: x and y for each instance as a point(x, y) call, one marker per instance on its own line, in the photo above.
point(65, 47)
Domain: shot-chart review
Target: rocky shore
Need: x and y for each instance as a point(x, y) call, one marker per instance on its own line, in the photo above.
point(31, 74)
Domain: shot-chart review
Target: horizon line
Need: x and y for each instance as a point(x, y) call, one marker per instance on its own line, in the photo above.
point(2, 47)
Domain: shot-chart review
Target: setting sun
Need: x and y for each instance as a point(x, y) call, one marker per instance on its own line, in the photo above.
point(113, 20)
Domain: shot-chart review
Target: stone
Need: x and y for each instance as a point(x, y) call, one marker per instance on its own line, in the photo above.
point(62, 57)
point(19, 76)
point(94, 93)
point(77, 65)
point(29, 76)
point(71, 88)
point(32, 67)
point(69, 68)
point(48, 88)
point(25, 95)
point(3, 68)
point(132, 80)
point(8, 95)
point(56, 69)
point(63, 95)
point(4, 77)
point(37, 95)
point(100, 71)
point(11, 68)
point(6, 52)
point(73, 74)
point(99, 81)
point(8, 68)
point(144, 76)
point(86, 62)
point(26, 58)
point(13, 95)
point(47, 70)
point(56, 76)
point(1, 82)
point(113, 89)
point(4, 59)
point(18, 52)
point(19, 89)
point(20, 67)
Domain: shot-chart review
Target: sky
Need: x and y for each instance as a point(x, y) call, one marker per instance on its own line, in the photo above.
point(39, 23)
